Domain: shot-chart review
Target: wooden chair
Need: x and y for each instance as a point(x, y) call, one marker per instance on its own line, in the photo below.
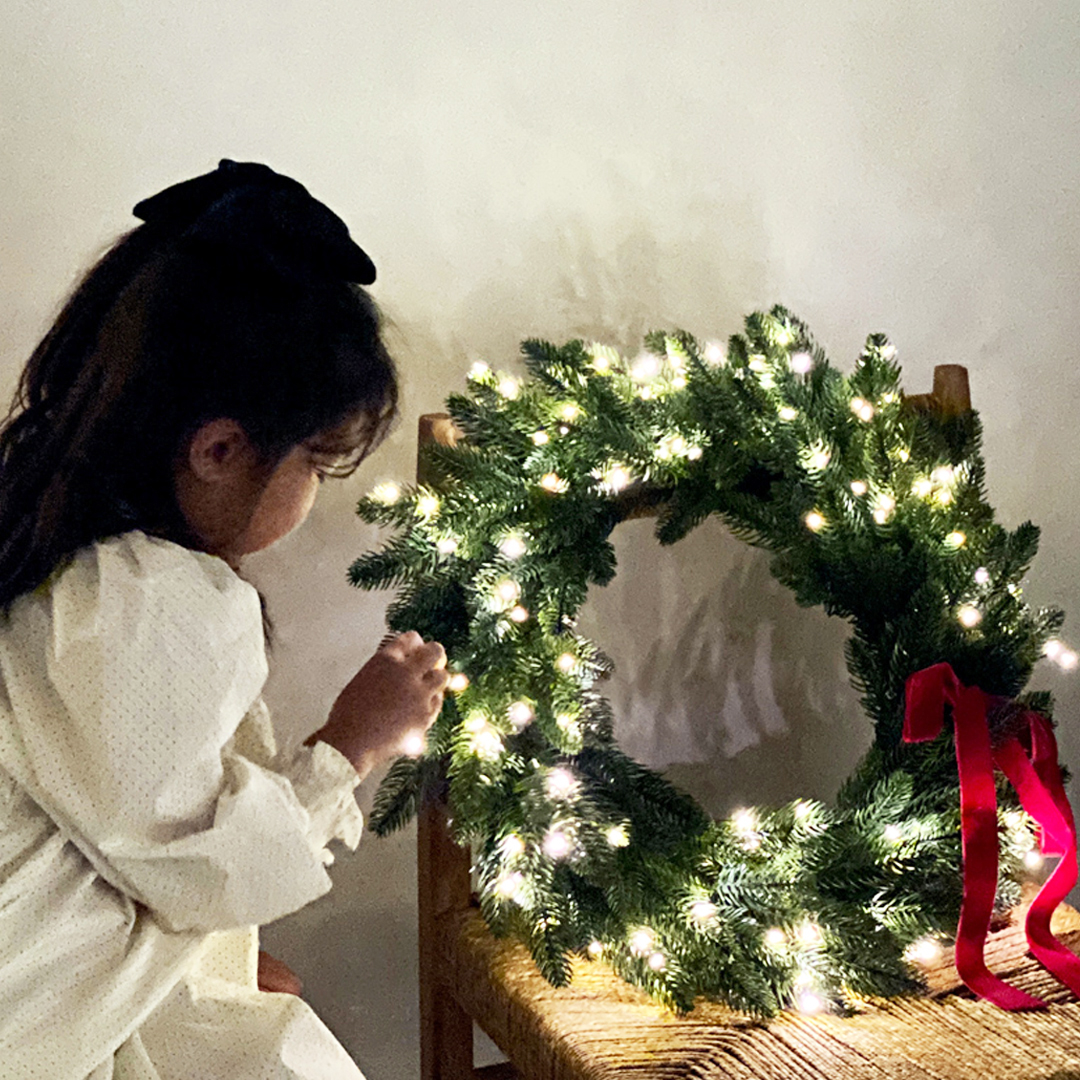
point(599, 1028)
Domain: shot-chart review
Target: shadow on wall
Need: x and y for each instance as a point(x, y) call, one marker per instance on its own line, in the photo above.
point(579, 277)
point(721, 680)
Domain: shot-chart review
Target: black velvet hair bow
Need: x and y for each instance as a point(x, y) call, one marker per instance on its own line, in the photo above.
point(250, 205)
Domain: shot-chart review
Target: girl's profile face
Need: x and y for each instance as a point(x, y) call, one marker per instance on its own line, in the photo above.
point(284, 503)
point(231, 506)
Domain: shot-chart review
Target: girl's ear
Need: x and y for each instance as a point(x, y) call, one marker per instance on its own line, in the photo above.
point(220, 450)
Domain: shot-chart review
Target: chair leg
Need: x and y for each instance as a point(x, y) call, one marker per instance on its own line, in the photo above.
point(443, 886)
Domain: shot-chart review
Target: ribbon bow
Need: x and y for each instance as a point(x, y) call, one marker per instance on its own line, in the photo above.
point(1035, 774)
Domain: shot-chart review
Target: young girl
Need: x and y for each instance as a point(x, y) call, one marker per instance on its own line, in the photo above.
point(207, 374)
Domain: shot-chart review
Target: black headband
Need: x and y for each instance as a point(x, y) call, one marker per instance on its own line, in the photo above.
point(250, 204)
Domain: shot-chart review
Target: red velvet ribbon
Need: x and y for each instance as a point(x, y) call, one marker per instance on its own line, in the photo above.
point(1035, 775)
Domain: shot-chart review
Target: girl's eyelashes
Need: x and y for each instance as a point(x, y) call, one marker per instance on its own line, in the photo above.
point(330, 465)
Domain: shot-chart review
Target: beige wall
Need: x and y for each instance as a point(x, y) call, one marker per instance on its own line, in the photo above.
point(598, 168)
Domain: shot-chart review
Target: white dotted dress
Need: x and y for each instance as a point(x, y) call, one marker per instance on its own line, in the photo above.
point(148, 825)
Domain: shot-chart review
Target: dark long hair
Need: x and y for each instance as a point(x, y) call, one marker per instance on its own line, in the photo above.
point(236, 300)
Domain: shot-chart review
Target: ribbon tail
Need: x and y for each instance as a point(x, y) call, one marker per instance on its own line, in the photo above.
point(1038, 784)
point(978, 822)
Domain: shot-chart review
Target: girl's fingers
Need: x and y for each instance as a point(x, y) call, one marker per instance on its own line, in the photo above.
point(411, 644)
point(402, 644)
point(438, 677)
point(432, 654)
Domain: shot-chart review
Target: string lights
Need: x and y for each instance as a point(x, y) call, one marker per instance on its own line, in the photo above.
point(805, 461)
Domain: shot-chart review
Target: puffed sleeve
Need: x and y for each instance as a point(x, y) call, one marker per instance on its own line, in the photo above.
point(128, 677)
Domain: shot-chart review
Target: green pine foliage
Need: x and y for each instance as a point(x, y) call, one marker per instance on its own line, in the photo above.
point(870, 509)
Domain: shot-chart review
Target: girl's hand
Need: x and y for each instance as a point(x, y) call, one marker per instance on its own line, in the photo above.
point(389, 703)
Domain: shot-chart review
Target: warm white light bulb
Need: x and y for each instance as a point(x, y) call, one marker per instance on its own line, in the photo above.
point(642, 941)
point(815, 521)
point(858, 487)
point(413, 744)
point(922, 487)
point(817, 459)
point(801, 363)
point(512, 846)
point(521, 715)
point(982, 576)
point(955, 539)
point(596, 949)
point(893, 833)
point(809, 1003)
point(569, 411)
point(714, 354)
point(561, 784)
point(1067, 659)
point(969, 615)
point(507, 591)
point(744, 821)
point(617, 836)
point(1033, 859)
point(566, 663)
point(775, 938)
point(513, 546)
point(883, 508)
point(475, 721)
point(557, 845)
point(509, 886)
point(657, 961)
point(926, 950)
point(427, 505)
point(616, 478)
point(458, 682)
point(810, 934)
point(486, 743)
point(645, 367)
point(539, 438)
point(786, 412)
point(703, 910)
point(479, 370)
point(387, 492)
point(552, 482)
point(509, 387)
point(519, 614)
point(604, 357)
point(447, 545)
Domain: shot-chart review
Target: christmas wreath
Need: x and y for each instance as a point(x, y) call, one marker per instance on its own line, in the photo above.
point(871, 507)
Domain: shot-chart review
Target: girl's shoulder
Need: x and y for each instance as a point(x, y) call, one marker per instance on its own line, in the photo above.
point(135, 571)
